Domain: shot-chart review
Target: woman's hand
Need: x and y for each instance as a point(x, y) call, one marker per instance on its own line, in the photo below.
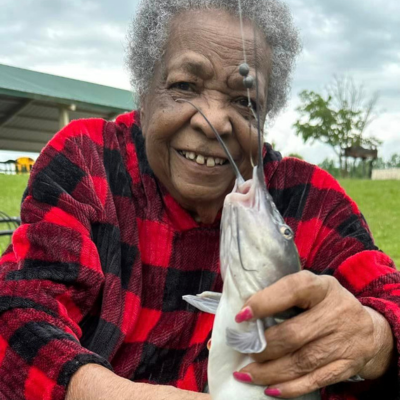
point(334, 339)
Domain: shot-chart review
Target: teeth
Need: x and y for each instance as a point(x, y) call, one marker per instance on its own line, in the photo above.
point(200, 159)
point(210, 162)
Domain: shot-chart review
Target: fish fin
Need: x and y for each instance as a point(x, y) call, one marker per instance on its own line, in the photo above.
point(206, 301)
point(356, 378)
point(252, 341)
point(210, 295)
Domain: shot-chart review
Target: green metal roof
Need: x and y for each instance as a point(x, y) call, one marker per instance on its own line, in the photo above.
point(34, 106)
point(40, 86)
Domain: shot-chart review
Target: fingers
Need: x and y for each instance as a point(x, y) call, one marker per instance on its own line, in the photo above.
point(328, 317)
point(335, 372)
point(304, 290)
point(328, 374)
point(328, 343)
point(293, 366)
point(293, 334)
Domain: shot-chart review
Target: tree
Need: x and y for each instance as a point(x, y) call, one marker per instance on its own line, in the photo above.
point(329, 166)
point(338, 119)
point(393, 162)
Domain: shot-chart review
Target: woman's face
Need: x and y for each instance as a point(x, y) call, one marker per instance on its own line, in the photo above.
point(201, 64)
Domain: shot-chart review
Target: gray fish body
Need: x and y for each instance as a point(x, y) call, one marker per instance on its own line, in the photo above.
point(256, 250)
point(254, 254)
point(252, 245)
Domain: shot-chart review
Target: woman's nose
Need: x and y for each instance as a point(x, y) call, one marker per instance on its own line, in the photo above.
point(217, 114)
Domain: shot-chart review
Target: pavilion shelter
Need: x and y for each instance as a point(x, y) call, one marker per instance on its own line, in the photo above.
point(35, 105)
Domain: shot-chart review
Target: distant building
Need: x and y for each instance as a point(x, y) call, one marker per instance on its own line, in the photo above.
point(386, 174)
point(34, 106)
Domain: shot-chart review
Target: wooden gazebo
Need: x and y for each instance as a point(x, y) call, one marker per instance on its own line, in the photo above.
point(359, 152)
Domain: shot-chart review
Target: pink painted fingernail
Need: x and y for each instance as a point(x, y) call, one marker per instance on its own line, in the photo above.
point(245, 315)
point(273, 392)
point(243, 377)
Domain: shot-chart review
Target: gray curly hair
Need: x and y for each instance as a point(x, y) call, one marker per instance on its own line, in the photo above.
point(149, 33)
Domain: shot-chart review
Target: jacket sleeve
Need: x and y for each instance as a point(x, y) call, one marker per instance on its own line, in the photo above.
point(51, 275)
point(337, 241)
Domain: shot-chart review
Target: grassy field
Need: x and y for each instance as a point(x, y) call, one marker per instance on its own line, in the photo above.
point(11, 189)
point(378, 200)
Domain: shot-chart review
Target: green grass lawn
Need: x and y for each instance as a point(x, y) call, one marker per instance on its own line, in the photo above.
point(379, 201)
point(11, 189)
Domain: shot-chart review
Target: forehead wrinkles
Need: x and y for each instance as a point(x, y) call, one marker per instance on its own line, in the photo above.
point(192, 63)
point(230, 47)
point(221, 38)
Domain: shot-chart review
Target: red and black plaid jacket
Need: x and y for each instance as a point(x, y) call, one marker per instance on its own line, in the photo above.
point(97, 270)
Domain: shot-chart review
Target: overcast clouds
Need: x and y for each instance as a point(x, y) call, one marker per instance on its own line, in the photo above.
point(85, 40)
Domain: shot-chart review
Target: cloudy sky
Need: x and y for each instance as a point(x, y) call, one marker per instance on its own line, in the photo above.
point(85, 39)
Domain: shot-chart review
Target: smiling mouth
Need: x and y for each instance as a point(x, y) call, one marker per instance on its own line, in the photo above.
point(203, 160)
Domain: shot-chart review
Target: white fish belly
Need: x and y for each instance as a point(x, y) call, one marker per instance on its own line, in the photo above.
point(223, 360)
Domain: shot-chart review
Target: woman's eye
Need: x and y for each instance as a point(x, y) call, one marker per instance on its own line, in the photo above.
point(254, 105)
point(184, 86)
point(244, 102)
point(247, 112)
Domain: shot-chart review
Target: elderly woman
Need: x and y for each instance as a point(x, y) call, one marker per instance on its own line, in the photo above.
point(120, 219)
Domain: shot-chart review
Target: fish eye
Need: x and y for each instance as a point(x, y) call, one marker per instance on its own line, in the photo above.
point(286, 232)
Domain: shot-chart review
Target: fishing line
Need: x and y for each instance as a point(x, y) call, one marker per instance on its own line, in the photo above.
point(244, 54)
point(245, 75)
point(238, 175)
point(244, 71)
point(260, 141)
point(242, 31)
point(238, 242)
point(251, 152)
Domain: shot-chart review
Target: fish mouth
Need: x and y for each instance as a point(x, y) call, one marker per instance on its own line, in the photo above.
point(244, 194)
point(245, 188)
